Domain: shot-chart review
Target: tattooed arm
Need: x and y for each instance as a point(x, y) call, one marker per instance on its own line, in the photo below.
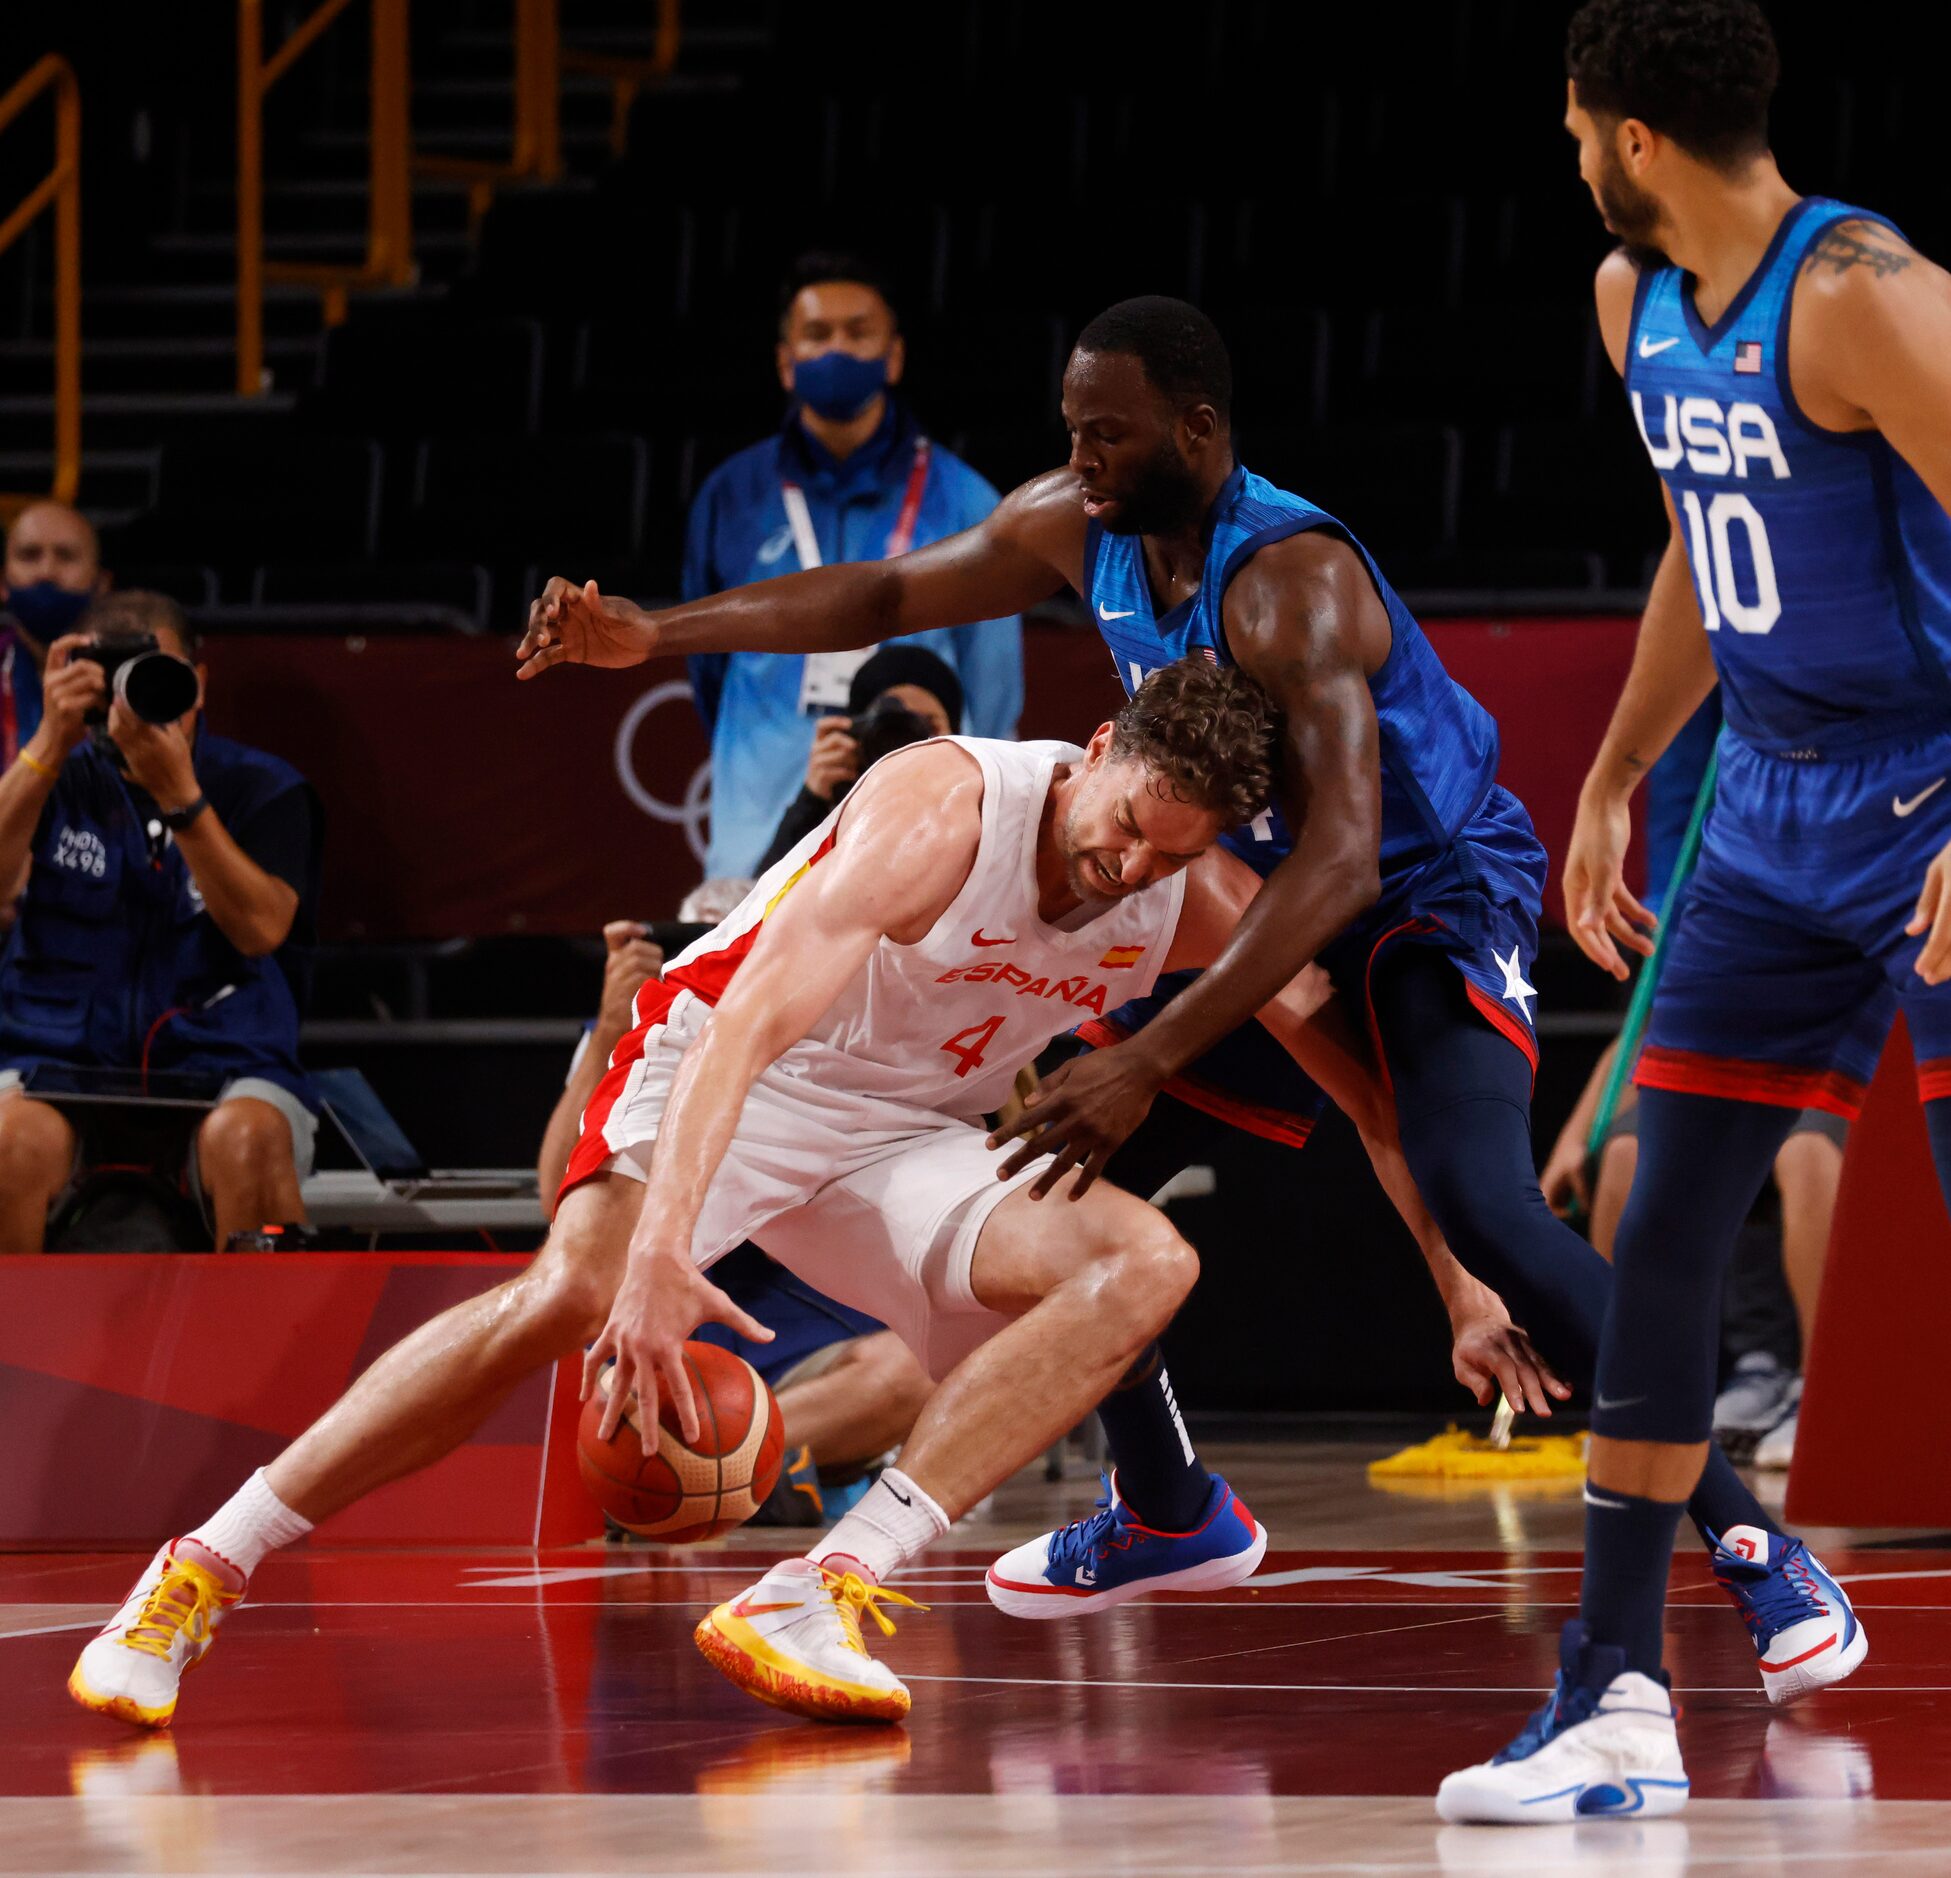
point(1672, 673)
point(1870, 348)
point(1870, 345)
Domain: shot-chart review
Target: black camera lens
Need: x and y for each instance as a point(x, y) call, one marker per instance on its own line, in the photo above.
point(157, 686)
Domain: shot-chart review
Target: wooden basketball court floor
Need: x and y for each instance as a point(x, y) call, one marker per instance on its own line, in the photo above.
point(510, 1712)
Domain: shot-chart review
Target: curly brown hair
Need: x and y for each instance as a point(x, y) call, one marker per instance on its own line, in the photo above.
point(1207, 731)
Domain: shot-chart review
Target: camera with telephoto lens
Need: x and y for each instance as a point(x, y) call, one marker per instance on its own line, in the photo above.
point(887, 725)
point(157, 686)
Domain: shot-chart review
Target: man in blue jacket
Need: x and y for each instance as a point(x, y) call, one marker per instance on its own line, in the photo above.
point(849, 477)
point(170, 867)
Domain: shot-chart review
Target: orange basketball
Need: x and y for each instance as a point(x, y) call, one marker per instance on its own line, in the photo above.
point(678, 1492)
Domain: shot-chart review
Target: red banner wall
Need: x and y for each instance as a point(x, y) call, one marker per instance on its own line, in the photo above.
point(460, 803)
point(138, 1393)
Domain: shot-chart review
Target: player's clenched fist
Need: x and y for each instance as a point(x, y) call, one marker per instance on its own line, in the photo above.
point(1600, 911)
point(584, 627)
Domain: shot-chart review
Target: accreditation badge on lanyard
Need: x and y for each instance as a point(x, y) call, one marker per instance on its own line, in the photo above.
point(829, 676)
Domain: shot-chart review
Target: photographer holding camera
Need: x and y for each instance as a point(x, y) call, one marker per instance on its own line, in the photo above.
point(169, 868)
point(902, 695)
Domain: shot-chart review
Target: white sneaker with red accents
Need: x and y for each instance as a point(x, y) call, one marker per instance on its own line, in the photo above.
point(1804, 1630)
point(794, 1640)
point(134, 1667)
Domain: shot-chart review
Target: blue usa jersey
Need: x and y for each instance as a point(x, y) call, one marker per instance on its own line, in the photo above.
point(1821, 561)
point(1438, 744)
point(1461, 868)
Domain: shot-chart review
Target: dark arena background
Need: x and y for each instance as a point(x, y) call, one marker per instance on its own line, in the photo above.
point(347, 328)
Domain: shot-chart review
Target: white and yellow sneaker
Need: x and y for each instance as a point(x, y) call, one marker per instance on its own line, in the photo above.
point(794, 1640)
point(134, 1667)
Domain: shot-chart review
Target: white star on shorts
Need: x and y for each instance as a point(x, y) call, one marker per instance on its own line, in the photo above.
point(1515, 989)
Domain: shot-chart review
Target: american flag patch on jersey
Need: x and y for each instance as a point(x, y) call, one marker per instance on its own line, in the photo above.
point(1747, 356)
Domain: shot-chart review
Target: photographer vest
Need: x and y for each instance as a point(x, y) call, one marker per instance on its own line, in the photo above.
point(114, 963)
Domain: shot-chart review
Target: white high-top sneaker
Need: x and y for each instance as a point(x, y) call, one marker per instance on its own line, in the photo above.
point(135, 1665)
point(1602, 1746)
point(794, 1640)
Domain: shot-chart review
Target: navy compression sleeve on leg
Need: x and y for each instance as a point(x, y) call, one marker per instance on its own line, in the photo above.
point(1702, 1161)
point(1463, 1103)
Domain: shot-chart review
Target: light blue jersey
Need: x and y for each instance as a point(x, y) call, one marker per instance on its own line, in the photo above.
point(1821, 560)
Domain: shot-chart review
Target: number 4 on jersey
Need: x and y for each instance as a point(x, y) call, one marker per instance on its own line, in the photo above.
point(969, 1044)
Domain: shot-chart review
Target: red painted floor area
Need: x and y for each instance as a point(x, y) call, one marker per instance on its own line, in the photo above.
point(1343, 1673)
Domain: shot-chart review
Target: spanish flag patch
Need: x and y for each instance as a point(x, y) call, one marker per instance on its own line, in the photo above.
point(1121, 958)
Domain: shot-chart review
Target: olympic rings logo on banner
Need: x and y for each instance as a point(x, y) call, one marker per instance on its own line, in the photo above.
point(694, 812)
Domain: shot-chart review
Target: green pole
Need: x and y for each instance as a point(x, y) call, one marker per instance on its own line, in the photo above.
point(1634, 1027)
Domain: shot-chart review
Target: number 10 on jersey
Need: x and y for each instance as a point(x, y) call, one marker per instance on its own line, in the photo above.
point(1710, 531)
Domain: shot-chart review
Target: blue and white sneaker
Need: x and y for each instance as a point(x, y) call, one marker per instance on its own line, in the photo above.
point(1804, 1631)
point(1103, 1560)
point(1603, 1746)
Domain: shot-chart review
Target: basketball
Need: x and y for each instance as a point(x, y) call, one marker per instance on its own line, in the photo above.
point(671, 1490)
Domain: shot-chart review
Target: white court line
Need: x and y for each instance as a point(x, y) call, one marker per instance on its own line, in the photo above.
point(1383, 1688)
point(1346, 1636)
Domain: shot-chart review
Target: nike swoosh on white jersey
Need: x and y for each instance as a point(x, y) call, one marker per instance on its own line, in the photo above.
point(1659, 345)
point(1899, 807)
point(1104, 612)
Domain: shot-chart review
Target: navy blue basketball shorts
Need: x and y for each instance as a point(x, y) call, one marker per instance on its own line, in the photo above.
point(1788, 958)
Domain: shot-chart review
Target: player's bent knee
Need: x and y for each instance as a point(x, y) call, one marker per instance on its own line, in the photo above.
point(564, 1297)
point(1156, 1272)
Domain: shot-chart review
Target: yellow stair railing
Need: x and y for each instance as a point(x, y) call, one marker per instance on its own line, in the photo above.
point(60, 187)
point(628, 75)
point(389, 214)
point(535, 153)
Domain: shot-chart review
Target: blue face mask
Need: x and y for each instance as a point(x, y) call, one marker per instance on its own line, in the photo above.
point(44, 611)
point(837, 385)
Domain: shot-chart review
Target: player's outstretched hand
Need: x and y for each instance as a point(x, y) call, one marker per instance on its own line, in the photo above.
point(1600, 912)
point(1491, 1355)
point(584, 627)
point(1082, 1113)
point(662, 1299)
point(1933, 916)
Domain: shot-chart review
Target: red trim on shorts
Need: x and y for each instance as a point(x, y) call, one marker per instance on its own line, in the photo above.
point(1368, 994)
point(1934, 1078)
point(1498, 1018)
point(1778, 1085)
point(1487, 1007)
point(586, 1159)
point(1250, 1118)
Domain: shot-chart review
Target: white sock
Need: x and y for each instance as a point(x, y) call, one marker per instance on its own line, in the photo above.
point(252, 1522)
point(894, 1522)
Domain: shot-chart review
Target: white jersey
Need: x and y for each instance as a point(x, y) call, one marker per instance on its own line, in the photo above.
point(946, 1022)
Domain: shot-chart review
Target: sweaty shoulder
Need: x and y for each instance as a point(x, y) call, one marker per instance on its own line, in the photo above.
point(1310, 594)
point(1045, 516)
point(1613, 287)
point(909, 834)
